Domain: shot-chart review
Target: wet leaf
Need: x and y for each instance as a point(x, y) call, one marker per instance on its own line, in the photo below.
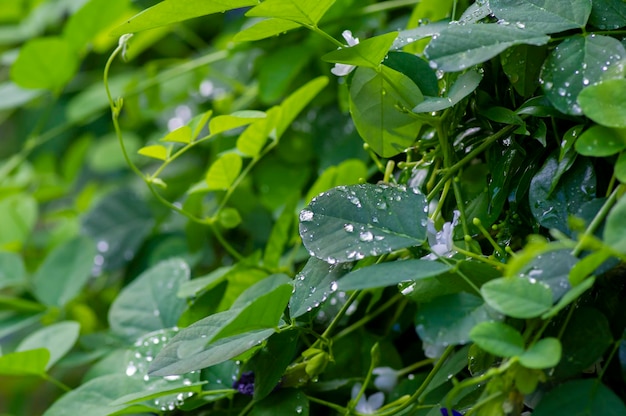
point(602, 102)
point(349, 223)
point(517, 297)
point(464, 85)
point(551, 268)
point(601, 141)
point(545, 16)
point(522, 64)
point(392, 273)
point(608, 14)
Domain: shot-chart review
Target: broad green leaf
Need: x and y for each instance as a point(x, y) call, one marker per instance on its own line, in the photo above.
point(22, 363)
point(522, 65)
point(465, 84)
point(545, 353)
point(297, 101)
point(374, 98)
point(461, 46)
point(415, 68)
point(570, 296)
point(91, 19)
point(156, 392)
point(278, 70)
point(603, 101)
point(601, 141)
point(349, 172)
point(94, 398)
point(19, 213)
point(313, 285)
point(448, 320)
point(254, 137)
point(392, 273)
point(224, 171)
point(620, 168)
point(64, 272)
point(581, 398)
point(349, 223)
point(305, 12)
point(48, 63)
point(265, 28)
point(551, 268)
point(576, 63)
point(271, 361)
point(369, 53)
point(119, 223)
point(58, 338)
point(172, 11)
point(200, 284)
point(615, 228)
point(12, 271)
point(608, 14)
point(517, 297)
point(281, 233)
point(409, 36)
point(498, 338)
point(179, 135)
point(220, 124)
point(155, 151)
point(543, 16)
point(149, 303)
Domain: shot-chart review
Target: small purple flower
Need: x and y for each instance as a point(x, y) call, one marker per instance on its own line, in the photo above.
point(444, 412)
point(245, 384)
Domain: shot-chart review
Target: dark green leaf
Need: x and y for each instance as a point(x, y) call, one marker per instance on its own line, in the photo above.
point(581, 398)
point(270, 362)
point(498, 339)
point(602, 102)
point(392, 273)
point(349, 223)
point(522, 64)
point(415, 68)
point(608, 14)
point(285, 401)
point(543, 16)
point(465, 84)
point(517, 297)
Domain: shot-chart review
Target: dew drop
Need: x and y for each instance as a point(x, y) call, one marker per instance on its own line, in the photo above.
point(348, 227)
point(306, 215)
point(366, 236)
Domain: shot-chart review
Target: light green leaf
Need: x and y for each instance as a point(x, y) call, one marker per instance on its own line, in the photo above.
point(601, 141)
point(91, 19)
point(465, 84)
point(220, 124)
point(12, 271)
point(620, 168)
point(448, 319)
point(265, 28)
point(22, 363)
point(254, 137)
point(582, 398)
point(297, 101)
point(48, 63)
point(461, 46)
point(543, 16)
point(392, 273)
point(64, 272)
point(374, 97)
point(224, 171)
point(545, 353)
point(368, 53)
point(172, 11)
point(348, 172)
point(517, 297)
point(349, 223)
point(587, 266)
point(577, 63)
point(305, 12)
point(199, 122)
point(498, 339)
point(200, 284)
point(19, 212)
point(179, 135)
point(155, 392)
point(615, 228)
point(603, 102)
point(279, 237)
point(58, 338)
point(155, 151)
point(149, 303)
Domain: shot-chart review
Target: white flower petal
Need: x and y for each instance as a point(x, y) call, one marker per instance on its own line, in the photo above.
point(341, 70)
point(347, 35)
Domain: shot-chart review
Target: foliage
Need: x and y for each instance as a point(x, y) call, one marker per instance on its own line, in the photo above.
point(439, 229)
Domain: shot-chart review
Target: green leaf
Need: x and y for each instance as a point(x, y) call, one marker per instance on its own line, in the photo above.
point(543, 16)
point(23, 363)
point(304, 12)
point(119, 223)
point(224, 171)
point(283, 401)
point(155, 151)
point(498, 339)
point(148, 302)
point(461, 46)
point(553, 269)
point(392, 273)
point(517, 297)
point(179, 135)
point(348, 172)
point(271, 361)
point(155, 392)
point(522, 65)
point(374, 97)
point(220, 124)
point(12, 271)
point(58, 338)
point(465, 84)
point(415, 68)
point(545, 353)
point(601, 141)
point(19, 212)
point(570, 296)
point(172, 11)
point(608, 14)
point(581, 398)
point(265, 28)
point(279, 237)
point(254, 137)
point(92, 19)
point(602, 102)
point(448, 319)
point(297, 101)
point(369, 53)
point(576, 63)
point(64, 272)
point(620, 168)
point(615, 228)
point(313, 285)
point(48, 63)
point(349, 223)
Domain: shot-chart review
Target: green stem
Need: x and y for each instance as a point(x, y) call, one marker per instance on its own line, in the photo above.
point(616, 346)
point(336, 407)
point(56, 382)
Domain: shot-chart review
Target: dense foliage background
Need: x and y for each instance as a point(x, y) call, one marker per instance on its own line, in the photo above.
point(312, 207)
